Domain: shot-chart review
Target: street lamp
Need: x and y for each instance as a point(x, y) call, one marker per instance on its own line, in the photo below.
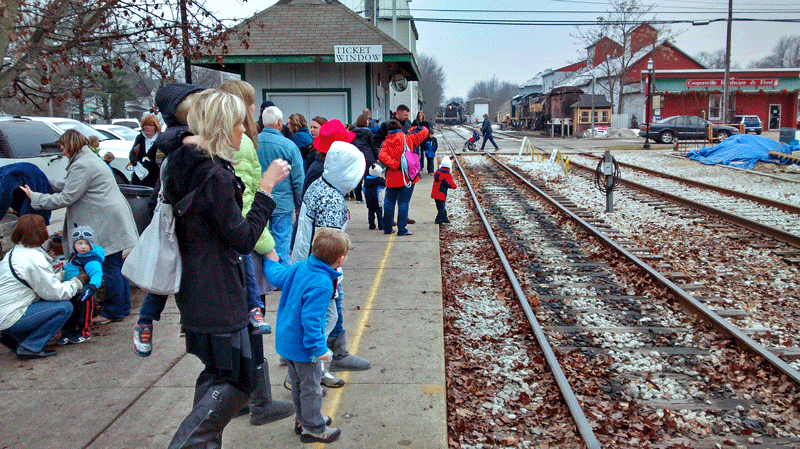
point(649, 104)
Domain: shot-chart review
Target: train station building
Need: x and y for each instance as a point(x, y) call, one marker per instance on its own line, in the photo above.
point(318, 59)
point(771, 94)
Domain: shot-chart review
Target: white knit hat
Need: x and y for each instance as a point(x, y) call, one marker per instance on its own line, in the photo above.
point(376, 170)
point(446, 162)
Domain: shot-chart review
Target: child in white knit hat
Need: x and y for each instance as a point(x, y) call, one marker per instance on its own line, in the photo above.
point(442, 180)
point(373, 185)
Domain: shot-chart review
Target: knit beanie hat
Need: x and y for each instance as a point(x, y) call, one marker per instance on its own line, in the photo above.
point(83, 233)
point(375, 170)
point(446, 162)
point(332, 131)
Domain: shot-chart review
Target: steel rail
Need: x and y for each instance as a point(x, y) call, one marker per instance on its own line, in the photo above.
point(786, 207)
point(690, 301)
point(582, 423)
point(777, 234)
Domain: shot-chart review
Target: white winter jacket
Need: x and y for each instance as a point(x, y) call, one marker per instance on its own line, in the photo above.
point(324, 204)
point(32, 265)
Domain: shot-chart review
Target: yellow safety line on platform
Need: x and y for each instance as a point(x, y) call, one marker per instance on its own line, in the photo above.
point(334, 398)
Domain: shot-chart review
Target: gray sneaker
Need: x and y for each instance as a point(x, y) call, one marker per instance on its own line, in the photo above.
point(329, 435)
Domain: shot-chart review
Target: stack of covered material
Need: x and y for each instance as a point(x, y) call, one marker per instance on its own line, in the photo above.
point(743, 151)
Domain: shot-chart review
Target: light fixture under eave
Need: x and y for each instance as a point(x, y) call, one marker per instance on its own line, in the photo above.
point(698, 23)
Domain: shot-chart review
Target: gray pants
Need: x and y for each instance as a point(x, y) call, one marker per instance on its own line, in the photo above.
point(307, 394)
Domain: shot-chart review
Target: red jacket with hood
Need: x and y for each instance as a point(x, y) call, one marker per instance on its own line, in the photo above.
point(392, 152)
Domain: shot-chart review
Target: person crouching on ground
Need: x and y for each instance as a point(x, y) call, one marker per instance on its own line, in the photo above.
point(86, 255)
point(373, 184)
point(442, 181)
point(34, 303)
point(307, 288)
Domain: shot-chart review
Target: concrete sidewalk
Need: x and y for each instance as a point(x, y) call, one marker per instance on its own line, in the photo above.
point(101, 395)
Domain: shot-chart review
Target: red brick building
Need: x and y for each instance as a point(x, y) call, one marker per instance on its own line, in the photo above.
point(771, 94)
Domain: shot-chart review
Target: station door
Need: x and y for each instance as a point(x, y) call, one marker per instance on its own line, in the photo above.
point(330, 105)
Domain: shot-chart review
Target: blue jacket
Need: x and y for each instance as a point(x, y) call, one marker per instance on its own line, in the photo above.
point(302, 138)
point(92, 263)
point(307, 288)
point(288, 194)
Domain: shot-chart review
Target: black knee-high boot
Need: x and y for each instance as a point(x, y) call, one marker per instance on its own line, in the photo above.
point(203, 427)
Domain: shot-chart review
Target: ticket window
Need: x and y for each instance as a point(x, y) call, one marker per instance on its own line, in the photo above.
point(774, 119)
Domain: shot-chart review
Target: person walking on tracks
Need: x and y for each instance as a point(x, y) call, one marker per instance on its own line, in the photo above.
point(486, 129)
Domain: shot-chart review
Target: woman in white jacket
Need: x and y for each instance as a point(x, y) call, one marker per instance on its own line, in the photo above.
point(34, 303)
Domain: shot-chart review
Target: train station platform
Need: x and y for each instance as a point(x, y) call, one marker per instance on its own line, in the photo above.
point(99, 394)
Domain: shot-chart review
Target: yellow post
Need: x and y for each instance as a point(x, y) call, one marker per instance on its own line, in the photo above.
point(566, 166)
point(533, 154)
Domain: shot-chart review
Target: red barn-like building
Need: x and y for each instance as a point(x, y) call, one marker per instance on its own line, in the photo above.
point(771, 94)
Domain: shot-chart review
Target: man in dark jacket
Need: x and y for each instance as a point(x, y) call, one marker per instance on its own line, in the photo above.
point(486, 129)
point(401, 116)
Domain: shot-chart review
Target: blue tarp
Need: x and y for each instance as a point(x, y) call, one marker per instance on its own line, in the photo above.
point(743, 151)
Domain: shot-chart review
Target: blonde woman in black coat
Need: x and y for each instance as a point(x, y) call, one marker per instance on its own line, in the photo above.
point(211, 235)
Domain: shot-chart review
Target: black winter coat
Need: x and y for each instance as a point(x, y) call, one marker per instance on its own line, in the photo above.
point(211, 235)
point(137, 154)
point(365, 142)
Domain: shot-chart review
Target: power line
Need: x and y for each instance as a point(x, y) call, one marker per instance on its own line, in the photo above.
point(534, 11)
point(591, 22)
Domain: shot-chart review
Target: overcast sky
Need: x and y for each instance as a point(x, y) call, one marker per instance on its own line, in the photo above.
point(515, 53)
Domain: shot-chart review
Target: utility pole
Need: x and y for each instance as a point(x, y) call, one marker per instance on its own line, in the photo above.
point(394, 19)
point(726, 90)
point(187, 67)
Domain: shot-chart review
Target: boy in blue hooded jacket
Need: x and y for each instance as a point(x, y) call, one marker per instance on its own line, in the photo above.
point(85, 254)
point(307, 288)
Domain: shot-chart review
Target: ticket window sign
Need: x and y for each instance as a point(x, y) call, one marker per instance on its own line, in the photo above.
point(358, 53)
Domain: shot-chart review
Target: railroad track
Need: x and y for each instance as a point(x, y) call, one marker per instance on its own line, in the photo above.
point(587, 308)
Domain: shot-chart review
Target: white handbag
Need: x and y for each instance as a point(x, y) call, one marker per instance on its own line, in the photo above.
point(155, 264)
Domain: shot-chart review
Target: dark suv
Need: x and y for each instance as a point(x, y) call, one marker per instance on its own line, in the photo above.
point(752, 124)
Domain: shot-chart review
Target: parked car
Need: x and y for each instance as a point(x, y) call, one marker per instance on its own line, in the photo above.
point(117, 132)
point(120, 149)
point(752, 124)
point(131, 123)
point(23, 140)
point(684, 127)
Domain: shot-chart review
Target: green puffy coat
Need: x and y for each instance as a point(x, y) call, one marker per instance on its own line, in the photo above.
point(249, 170)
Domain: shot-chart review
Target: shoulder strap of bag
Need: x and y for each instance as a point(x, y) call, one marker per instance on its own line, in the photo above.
point(182, 206)
point(14, 272)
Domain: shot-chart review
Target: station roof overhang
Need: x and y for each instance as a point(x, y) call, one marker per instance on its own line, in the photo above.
point(401, 63)
point(306, 31)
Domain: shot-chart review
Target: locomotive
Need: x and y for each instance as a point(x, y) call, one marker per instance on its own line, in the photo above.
point(454, 114)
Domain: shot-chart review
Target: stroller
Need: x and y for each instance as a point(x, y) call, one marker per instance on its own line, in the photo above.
point(471, 143)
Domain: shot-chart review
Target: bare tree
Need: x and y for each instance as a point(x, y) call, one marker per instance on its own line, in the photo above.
point(431, 83)
point(786, 53)
point(613, 44)
point(46, 39)
point(494, 90)
point(714, 60)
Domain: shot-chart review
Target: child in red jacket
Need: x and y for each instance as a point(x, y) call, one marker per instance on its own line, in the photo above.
point(442, 180)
